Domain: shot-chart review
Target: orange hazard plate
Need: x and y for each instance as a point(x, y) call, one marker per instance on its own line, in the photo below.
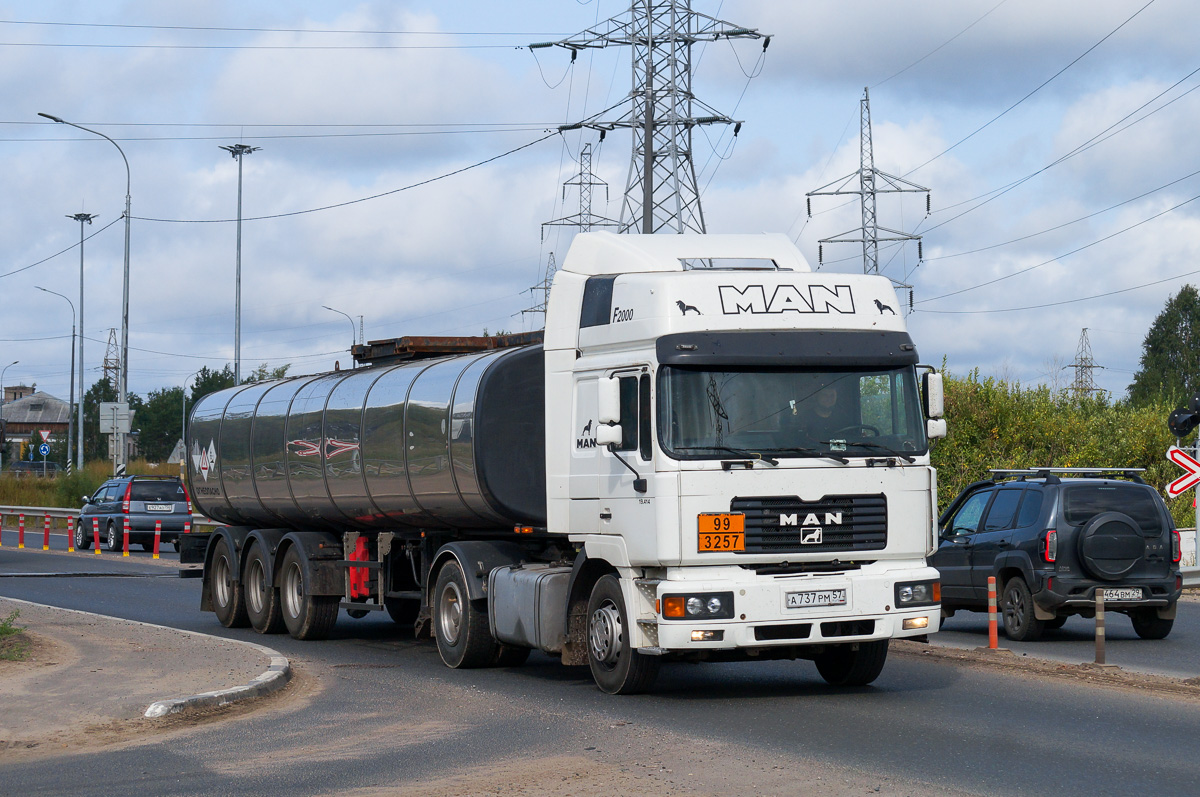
point(722, 531)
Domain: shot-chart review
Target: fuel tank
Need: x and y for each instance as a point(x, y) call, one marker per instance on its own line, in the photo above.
point(453, 442)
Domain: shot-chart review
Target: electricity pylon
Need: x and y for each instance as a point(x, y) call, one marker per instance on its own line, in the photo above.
point(661, 192)
point(871, 182)
point(1085, 383)
point(112, 359)
point(585, 180)
point(543, 288)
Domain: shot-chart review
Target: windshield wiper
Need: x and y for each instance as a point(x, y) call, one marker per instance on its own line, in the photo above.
point(737, 452)
point(872, 446)
point(811, 452)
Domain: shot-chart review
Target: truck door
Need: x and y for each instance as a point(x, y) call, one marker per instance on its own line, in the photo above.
point(631, 511)
point(584, 481)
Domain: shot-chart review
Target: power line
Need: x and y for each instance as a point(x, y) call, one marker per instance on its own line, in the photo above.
point(97, 46)
point(62, 251)
point(524, 129)
point(940, 46)
point(222, 29)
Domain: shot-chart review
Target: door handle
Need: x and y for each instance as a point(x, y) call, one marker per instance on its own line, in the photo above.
point(1002, 544)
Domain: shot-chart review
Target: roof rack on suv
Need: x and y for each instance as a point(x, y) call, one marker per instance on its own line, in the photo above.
point(1051, 474)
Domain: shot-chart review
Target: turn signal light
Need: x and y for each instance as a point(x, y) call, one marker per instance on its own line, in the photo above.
point(673, 606)
point(1176, 546)
point(1050, 549)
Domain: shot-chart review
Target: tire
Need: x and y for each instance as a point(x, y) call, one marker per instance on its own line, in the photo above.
point(1149, 625)
point(510, 656)
point(228, 599)
point(306, 616)
point(148, 546)
point(82, 540)
point(403, 612)
point(262, 597)
point(845, 666)
point(175, 545)
point(114, 540)
point(460, 625)
point(1020, 622)
point(616, 667)
point(1058, 622)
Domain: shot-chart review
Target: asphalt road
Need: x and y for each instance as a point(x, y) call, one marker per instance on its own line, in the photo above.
point(387, 712)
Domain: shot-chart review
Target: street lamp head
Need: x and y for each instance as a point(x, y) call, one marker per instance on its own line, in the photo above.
point(51, 118)
point(82, 217)
point(237, 150)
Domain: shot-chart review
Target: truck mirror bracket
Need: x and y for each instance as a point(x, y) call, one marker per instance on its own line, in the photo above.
point(639, 484)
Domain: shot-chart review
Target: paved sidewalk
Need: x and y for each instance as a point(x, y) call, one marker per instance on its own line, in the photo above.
point(89, 674)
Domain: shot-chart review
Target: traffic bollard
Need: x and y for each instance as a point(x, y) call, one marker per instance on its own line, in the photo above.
point(125, 547)
point(1100, 626)
point(993, 630)
point(157, 536)
point(46, 535)
point(1, 529)
point(70, 536)
point(96, 535)
point(21, 531)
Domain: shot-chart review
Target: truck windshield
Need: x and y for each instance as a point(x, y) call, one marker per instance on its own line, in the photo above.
point(789, 412)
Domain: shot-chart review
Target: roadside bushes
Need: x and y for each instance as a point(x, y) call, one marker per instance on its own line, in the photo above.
point(998, 424)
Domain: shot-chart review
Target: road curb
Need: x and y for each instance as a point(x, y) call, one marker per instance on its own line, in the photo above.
point(274, 678)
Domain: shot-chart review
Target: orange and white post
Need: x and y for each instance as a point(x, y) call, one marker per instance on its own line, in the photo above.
point(71, 535)
point(125, 546)
point(157, 536)
point(993, 630)
point(96, 535)
point(46, 535)
point(21, 531)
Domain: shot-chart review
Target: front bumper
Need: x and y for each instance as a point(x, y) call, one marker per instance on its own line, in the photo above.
point(761, 618)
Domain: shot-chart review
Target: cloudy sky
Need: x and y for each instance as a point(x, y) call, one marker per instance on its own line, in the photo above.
point(1058, 140)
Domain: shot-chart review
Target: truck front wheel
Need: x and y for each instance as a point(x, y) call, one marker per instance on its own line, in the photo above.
point(617, 668)
point(306, 616)
point(228, 600)
point(262, 598)
point(460, 625)
point(845, 666)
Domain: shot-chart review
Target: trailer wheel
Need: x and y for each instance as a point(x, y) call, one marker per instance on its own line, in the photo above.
point(460, 626)
point(229, 603)
point(402, 611)
point(844, 666)
point(82, 540)
point(617, 668)
point(306, 616)
point(262, 598)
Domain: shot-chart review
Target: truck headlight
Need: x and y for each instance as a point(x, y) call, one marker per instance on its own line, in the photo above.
point(910, 594)
point(700, 606)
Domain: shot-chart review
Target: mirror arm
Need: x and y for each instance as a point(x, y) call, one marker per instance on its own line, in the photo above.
point(639, 484)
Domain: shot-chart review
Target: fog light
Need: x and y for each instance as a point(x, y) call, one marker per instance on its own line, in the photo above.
point(708, 636)
point(915, 622)
point(694, 606)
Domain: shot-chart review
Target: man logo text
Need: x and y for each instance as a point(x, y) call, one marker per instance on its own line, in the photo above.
point(787, 298)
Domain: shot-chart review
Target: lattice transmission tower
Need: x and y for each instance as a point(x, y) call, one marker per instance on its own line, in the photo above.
point(661, 192)
point(870, 182)
point(112, 359)
point(1085, 383)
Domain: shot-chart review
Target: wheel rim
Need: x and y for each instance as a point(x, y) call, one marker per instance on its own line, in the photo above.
point(450, 613)
point(1014, 610)
point(112, 538)
point(293, 590)
point(78, 536)
point(254, 586)
point(221, 591)
point(605, 633)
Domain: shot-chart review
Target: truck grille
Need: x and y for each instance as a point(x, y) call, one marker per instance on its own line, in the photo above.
point(769, 529)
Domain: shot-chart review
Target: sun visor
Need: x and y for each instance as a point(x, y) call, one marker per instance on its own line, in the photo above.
point(805, 347)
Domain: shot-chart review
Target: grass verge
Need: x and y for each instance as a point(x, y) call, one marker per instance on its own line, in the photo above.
point(14, 644)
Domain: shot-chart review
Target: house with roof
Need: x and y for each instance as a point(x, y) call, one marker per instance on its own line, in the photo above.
point(31, 411)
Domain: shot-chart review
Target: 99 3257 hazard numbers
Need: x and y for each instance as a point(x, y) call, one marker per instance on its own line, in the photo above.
point(721, 531)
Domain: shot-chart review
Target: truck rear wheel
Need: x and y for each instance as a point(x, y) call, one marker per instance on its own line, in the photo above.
point(845, 666)
point(306, 616)
point(616, 667)
point(228, 601)
point(262, 598)
point(402, 611)
point(460, 625)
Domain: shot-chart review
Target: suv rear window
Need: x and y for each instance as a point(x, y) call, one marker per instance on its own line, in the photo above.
point(156, 491)
point(1082, 502)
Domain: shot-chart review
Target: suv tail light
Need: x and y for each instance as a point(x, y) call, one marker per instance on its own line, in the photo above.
point(125, 500)
point(187, 497)
point(1050, 549)
point(1176, 546)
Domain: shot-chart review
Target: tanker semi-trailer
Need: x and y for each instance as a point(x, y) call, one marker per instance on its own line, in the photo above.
point(713, 453)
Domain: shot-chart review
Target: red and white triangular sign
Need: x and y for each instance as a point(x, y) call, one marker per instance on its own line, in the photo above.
point(45, 433)
point(1189, 479)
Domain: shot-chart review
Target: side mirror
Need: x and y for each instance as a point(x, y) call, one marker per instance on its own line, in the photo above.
point(87, 499)
point(609, 407)
point(608, 435)
point(934, 397)
point(935, 428)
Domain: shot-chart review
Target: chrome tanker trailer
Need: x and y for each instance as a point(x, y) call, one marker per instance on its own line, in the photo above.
point(643, 483)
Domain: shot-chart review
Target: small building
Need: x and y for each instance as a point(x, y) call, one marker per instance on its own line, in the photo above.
point(31, 413)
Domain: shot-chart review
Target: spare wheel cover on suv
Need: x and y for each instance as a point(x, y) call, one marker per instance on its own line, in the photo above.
point(1110, 545)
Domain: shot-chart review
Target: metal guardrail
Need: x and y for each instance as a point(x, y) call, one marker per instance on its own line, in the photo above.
point(73, 514)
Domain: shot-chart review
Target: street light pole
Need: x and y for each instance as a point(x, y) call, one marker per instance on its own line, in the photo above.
point(352, 338)
point(70, 415)
point(237, 151)
point(2, 370)
point(81, 218)
point(123, 380)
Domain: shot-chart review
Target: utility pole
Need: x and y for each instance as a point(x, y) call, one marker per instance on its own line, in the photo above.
point(1084, 384)
point(82, 218)
point(871, 182)
point(661, 192)
point(237, 151)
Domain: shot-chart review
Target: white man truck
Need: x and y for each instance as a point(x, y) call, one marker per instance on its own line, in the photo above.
point(713, 453)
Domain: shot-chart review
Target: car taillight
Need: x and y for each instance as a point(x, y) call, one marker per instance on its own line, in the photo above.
point(1176, 546)
point(125, 500)
point(1050, 550)
point(187, 497)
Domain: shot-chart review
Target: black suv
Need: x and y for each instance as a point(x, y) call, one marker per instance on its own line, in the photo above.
point(1051, 542)
point(143, 501)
